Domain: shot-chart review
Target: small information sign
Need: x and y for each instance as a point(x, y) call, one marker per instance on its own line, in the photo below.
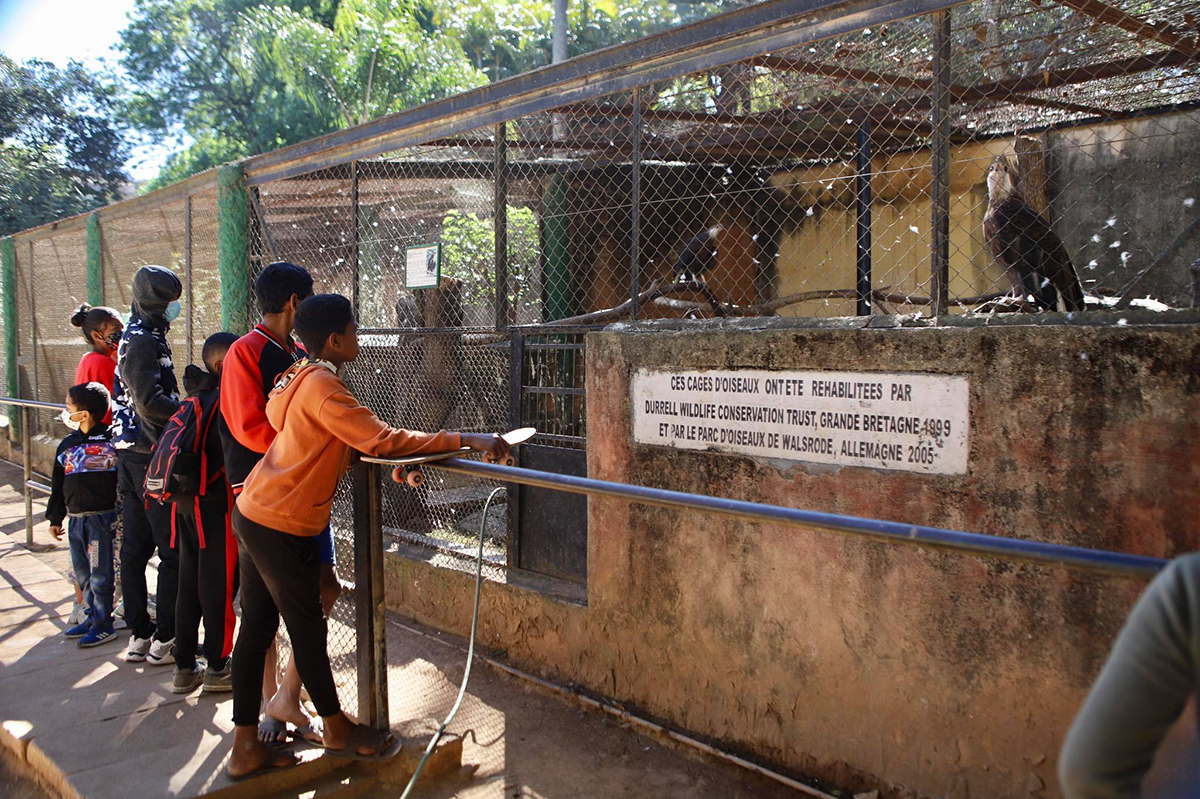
point(423, 266)
point(908, 422)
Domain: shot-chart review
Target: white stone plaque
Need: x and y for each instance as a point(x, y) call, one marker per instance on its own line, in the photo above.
point(909, 422)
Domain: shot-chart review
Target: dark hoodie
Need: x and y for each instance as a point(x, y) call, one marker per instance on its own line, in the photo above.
point(145, 392)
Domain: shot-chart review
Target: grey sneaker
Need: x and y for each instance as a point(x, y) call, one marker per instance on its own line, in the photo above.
point(219, 681)
point(162, 653)
point(78, 614)
point(187, 680)
point(138, 647)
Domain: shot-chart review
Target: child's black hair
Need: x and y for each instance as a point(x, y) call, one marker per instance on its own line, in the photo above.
point(320, 316)
point(92, 397)
point(90, 319)
point(278, 282)
point(215, 347)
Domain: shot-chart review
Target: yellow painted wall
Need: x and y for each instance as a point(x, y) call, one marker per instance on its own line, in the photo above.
point(820, 251)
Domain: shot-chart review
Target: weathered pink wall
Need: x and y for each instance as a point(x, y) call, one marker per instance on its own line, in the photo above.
point(866, 664)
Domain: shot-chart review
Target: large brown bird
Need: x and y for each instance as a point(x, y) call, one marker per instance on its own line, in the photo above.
point(698, 255)
point(1022, 242)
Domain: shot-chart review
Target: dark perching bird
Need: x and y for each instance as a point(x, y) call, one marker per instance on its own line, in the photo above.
point(698, 256)
point(1021, 241)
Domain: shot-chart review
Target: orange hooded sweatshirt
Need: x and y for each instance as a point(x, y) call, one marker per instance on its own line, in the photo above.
point(320, 424)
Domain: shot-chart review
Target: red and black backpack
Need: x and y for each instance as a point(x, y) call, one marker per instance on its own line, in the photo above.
point(179, 469)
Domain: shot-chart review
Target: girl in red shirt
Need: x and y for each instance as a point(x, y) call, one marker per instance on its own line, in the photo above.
point(102, 328)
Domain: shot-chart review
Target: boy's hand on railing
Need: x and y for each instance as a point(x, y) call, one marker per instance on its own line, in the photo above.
point(491, 445)
point(56, 531)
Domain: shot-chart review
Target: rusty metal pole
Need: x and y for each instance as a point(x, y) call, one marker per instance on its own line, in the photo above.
point(500, 224)
point(940, 235)
point(635, 211)
point(863, 218)
point(369, 597)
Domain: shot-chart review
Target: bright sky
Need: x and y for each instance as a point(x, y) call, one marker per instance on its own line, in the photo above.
point(61, 30)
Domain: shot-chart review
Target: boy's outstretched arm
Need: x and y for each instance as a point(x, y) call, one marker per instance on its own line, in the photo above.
point(360, 428)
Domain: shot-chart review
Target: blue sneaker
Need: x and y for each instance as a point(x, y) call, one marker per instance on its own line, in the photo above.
point(97, 637)
point(80, 630)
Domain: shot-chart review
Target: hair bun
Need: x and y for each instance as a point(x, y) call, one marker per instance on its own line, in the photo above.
point(80, 315)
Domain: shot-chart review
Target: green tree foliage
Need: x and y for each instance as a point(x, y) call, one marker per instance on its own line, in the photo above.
point(468, 255)
point(376, 59)
point(240, 77)
point(62, 149)
point(188, 76)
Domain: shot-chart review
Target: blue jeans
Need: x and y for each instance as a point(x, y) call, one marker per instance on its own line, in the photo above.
point(91, 540)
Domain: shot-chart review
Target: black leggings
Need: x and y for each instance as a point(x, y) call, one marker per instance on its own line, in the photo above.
point(280, 574)
point(208, 580)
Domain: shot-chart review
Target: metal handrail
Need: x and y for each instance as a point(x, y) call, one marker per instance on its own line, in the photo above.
point(24, 403)
point(1038, 552)
point(28, 483)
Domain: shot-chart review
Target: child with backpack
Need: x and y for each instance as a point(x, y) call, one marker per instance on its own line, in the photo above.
point(187, 472)
point(284, 505)
point(84, 488)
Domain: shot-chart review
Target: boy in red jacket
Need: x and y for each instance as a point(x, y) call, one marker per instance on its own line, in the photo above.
point(284, 505)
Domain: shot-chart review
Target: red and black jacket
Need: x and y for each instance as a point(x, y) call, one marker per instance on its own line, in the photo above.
point(252, 365)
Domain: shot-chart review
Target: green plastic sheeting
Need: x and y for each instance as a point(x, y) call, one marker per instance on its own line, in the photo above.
point(95, 269)
point(8, 276)
point(232, 224)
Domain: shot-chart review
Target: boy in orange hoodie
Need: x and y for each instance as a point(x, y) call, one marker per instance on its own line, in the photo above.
point(285, 503)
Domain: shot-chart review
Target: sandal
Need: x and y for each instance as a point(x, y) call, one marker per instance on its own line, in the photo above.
point(276, 733)
point(310, 733)
point(274, 759)
point(383, 742)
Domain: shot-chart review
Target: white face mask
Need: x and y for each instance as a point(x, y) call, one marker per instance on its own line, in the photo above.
point(68, 421)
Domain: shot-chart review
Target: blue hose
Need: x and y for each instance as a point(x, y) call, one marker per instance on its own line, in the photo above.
point(462, 689)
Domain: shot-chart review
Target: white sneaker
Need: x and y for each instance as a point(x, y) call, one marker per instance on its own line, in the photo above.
point(161, 653)
point(77, 615)
point(138, 647)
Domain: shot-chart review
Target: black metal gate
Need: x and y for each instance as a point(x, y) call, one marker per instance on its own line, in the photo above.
point(546, 386)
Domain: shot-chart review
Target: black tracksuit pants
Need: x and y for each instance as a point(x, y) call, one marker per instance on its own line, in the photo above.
point(280, 575)
point(208, 580)
point(146, 528)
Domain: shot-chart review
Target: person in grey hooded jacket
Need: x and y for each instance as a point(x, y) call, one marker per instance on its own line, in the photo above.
point(145, 397)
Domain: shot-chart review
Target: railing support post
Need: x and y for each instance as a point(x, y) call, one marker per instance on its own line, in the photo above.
point(369, 597)
point(27, 468)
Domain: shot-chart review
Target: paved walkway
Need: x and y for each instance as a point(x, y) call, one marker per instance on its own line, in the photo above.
point(97, 727)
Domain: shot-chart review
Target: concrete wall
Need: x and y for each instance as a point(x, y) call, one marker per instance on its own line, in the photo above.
point(865, 664)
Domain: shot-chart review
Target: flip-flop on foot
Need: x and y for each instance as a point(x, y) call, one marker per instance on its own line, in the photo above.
point(384, 744)
point(310, 733)
point(273, 733)
point(273, 759)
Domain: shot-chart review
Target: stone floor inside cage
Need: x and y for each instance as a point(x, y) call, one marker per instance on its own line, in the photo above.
point(86, 724)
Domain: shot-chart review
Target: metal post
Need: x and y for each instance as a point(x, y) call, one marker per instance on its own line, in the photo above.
point(635, 210)
point(189, 320)
point(500, 223)
point(33, 355)
point(515, 392)
point(369, 597)
point(940, 239)
point(355, 300)
point(27, 468)
point(863, 218)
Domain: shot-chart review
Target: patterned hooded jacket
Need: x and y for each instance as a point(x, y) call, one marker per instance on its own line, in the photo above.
point(145, 391)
